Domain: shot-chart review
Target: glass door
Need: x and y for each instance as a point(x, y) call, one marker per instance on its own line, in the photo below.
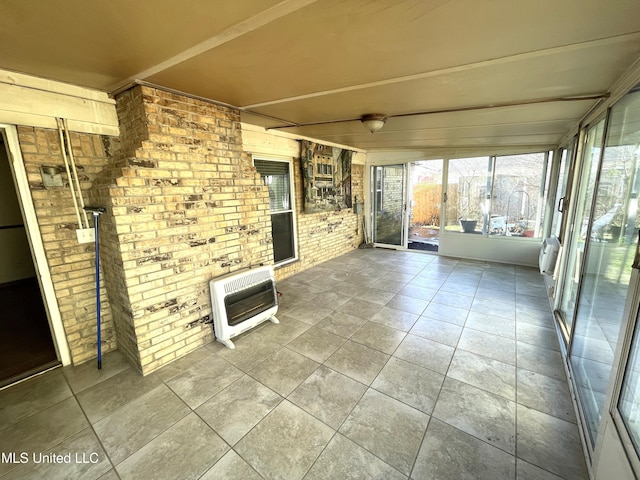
point(389, 205)
point(617, 452)
point(575, 248)
point(425, 181)
point(607, 270)
point(627, 412)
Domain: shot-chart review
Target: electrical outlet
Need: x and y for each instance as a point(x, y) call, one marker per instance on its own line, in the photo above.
point(86, 235)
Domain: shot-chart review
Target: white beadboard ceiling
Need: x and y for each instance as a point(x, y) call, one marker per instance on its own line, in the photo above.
point(448, 73)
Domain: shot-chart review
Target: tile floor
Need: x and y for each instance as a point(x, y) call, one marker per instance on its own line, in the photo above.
point(386, 365)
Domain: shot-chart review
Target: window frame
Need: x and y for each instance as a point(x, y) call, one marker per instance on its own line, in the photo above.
point(491, 167)
point(292, 208)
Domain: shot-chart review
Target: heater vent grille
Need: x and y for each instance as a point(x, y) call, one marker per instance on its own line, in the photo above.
point(246, 280)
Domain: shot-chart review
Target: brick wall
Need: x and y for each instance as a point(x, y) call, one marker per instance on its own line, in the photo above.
point(72, 265)
point(184, 205)
point(323, 236)
point(392, 188)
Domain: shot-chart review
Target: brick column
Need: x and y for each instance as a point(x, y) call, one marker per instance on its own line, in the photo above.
point(184, 205)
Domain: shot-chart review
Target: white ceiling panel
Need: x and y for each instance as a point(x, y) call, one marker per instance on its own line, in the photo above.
point(558, 74)
point(99, 43)
point(308, 61)
point(336, 44)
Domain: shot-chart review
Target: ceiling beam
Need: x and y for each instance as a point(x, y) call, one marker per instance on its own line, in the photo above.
point(574, 98)
point(389, 131)
point(281, 9)
point(456, 69)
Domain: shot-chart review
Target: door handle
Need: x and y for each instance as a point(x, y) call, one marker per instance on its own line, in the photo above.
point(636, 259)
point(561, 203)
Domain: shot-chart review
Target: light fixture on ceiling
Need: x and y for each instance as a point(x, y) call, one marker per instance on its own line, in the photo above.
point(373, 121)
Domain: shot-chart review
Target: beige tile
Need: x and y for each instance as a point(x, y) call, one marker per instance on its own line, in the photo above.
point(87, 374)
point(539, 436)
point(107, 396)
point(380, 337)
point(345, 460)
point(436, 330)
point(32, 396)
point(357, 361)
point(409, 383)
point(140, 421)
point(451, 454)
point(203, 380)
point(186, 450)
point(238, 408)
point(485, 373)
point(342, 324)
point(231, 467)
point(284, 370)
point(328, 395)
point(488, 345)
point(317, 344)
point(387, 428)
point(479, 413)
point(82, 457)
point(285, 444)
point(43, 430)
point(426, 353)
point(398, 319)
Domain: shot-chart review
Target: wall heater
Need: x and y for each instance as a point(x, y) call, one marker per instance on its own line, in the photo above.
point(549, 255)
point(242, 300)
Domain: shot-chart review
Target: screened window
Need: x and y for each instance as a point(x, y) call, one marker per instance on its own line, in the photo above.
point(517, 202)
point(497, 196)
point(467, 184)
point(276, 175)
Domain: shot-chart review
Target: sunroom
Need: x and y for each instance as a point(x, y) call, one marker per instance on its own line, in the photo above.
point(484, 156)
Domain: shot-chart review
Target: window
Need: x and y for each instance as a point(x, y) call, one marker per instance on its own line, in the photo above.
point(497, 196)
point(467, 202)
point(276, 175)
point(517, 201)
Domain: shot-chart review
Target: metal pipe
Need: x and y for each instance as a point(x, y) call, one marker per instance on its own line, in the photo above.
point(97, 211)
point(97, 243)
point(75, 172)
point(66, 166)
